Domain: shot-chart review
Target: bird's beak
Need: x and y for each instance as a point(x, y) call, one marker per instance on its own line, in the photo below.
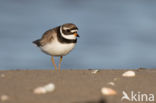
point(77, 35)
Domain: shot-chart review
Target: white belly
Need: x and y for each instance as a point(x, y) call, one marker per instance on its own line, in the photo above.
point(56, 48)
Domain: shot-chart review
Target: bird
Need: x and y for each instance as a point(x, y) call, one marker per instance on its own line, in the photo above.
point(58, 41)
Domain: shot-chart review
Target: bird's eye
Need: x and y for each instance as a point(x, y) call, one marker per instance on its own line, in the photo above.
point(68, 30)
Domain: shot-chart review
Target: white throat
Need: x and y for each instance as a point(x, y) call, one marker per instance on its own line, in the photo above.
point(67, 36)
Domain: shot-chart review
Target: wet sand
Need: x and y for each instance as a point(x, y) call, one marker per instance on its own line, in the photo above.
point(74, 86)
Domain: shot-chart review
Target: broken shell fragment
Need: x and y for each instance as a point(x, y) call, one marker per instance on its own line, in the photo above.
point(45, 89)
point(108, 91)
point(39, 90)
point(111, 83)
point(95, 71)
point(128, 74)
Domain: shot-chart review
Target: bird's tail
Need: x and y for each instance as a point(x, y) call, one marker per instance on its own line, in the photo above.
point(37, 43)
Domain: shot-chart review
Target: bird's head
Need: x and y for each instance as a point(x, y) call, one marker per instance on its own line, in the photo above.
point(69, 31)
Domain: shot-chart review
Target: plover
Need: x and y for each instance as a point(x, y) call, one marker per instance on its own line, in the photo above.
point(58, 41)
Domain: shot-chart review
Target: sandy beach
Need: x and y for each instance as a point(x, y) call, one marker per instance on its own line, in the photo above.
point(75, 86)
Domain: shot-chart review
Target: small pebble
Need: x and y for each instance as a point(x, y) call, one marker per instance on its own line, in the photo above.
point(115, 79)
point(108, 91)
point(95, 71)
point(4, 98)
point(111, 83)
point(128, 74)
point(2, 75)
point(44, 89)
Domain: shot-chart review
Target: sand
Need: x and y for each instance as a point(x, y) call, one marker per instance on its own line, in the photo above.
point(74, 86)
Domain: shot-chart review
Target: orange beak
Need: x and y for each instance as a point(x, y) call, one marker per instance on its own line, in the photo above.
point(77, 35)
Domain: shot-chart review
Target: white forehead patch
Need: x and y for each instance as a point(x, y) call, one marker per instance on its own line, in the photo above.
point(73, 31)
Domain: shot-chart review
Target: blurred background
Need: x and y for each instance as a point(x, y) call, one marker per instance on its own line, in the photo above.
point(114, 34)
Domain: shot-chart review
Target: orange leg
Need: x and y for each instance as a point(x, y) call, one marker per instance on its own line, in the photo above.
point(53, 61)
point(59, 67)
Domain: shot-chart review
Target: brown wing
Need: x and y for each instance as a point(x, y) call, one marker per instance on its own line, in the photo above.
point(47, 37)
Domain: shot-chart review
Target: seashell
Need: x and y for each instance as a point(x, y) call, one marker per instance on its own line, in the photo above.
point(50, 87)
point(45, 89)
point(128, 74)
point(108, 91)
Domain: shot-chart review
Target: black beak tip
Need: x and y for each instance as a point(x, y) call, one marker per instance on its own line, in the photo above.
point(78, 35)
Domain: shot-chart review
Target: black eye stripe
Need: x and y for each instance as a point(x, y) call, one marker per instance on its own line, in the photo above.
point(67, 32)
